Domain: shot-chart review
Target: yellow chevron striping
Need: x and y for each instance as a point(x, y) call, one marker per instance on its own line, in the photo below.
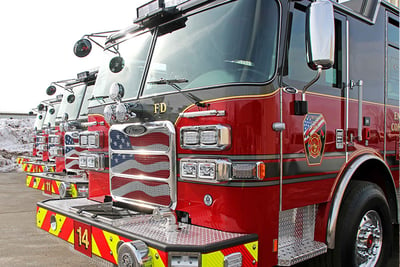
point(28, 180)
point(71, 237)
point(40, 215)
point(58, 187)
point(112, 241)
point(252, 247)
point(95, 248)
point(157, 261)
point(215, 259)
point(74, 190)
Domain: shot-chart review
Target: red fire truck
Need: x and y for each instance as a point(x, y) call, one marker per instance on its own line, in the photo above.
point(242, 133)
point(67, 180)
point(48, 110)
point(37, 127)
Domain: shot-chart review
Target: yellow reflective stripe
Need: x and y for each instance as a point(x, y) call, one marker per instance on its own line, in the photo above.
point(74, 190)
point(28, 180)
point(157, 261)
point(112, 241)
point(36, 185)
point(40, 215)
point(71, 237)
point(60, 219)
point(214, 259)
point(95, 248)
point(58, 187)
point(252, 247)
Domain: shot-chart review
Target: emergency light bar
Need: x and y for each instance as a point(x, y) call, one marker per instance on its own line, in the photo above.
point(157, 11)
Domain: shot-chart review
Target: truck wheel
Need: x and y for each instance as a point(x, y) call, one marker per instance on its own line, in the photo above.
point(364, 229)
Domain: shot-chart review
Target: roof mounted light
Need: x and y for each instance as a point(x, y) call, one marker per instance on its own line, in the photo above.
point(83, 75)
point(156, 12)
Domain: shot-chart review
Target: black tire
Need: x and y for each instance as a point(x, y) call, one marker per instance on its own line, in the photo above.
point(363, 203)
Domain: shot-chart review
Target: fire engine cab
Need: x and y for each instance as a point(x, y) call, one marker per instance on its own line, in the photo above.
point(67, 180)
point(46, 120)
point(241, 133)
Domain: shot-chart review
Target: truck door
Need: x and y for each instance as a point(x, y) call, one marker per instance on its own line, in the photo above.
point(312, 144)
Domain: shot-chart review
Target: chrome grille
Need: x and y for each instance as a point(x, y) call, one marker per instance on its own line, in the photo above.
point(142, 163)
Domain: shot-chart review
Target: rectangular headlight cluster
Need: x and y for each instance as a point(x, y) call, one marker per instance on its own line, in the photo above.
point(91, 139)
point(205, 169)
point(214, 170)
point(42, 147)
point(56, 151)
point(92, 161)
point(41, 139)
point(54, 139)
point(206, 137)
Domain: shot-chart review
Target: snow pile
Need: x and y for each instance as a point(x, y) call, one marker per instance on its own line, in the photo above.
point(15, 140)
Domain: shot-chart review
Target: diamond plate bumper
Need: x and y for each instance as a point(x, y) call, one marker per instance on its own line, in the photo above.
point(108, 232)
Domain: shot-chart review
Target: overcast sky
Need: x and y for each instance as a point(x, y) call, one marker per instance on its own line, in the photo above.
point(37, 39)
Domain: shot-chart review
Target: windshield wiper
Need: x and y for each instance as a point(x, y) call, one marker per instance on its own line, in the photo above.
point(99, 99)
point(173, 84)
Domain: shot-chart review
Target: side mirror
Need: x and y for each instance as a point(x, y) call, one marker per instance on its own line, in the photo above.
point(71, 99)
point(116, 64)
point(40, 107)
point(320, 35)
point(82, 48)
point(51, 90)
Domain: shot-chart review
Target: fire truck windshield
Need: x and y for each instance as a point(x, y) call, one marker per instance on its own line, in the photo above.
point(232, 43)
point(134, 53)
point(72, 109)
point(51, 115)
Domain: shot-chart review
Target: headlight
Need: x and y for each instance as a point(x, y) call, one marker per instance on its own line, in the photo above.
point(83, 140)
point(205, 169)
point(56, 151)
point(54, 139)
point(206, 137)
point(92, 161)
point(218, 170)
point(82, 161)
point(90, 139)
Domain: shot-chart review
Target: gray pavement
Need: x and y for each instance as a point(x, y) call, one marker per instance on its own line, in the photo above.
point(21, 242)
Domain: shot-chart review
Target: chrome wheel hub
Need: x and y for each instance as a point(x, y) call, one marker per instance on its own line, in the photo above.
point(369, 239)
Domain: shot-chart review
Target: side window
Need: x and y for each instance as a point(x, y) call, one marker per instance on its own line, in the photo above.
point(392, 62)
point(296, 72)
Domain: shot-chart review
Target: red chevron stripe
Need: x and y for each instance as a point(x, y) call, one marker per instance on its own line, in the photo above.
point(102, 245)
point(55, 187)
point(41, 184)
point(46, 221)
point(67, 229)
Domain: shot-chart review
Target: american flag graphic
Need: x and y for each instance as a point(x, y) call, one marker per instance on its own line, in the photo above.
point(145, 175)
point(72, 150)
point(312, 124)
point(146, 191)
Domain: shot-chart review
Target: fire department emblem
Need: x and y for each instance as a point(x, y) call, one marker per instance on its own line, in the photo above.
point(314, 133)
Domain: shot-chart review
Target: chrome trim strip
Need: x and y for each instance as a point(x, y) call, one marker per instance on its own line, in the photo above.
point(204, 113)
